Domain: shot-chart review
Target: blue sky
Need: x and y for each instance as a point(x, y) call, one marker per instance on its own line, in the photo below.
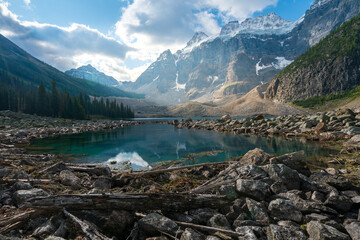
point(120, 37)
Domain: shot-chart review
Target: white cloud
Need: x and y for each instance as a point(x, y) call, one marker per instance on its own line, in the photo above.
point(145, 29)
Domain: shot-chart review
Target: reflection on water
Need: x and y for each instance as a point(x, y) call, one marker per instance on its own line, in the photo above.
point(133, 158)
point(149, 143)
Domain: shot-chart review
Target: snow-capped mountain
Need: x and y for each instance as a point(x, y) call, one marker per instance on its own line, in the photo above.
point(88, 72)
point(242, 56)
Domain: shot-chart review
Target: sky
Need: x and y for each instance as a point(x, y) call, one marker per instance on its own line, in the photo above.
point(123, 37)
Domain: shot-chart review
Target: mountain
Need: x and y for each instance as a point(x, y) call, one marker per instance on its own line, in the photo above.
point(330, 67)
point(242, 56)
point(90, 73)
point(23, 67)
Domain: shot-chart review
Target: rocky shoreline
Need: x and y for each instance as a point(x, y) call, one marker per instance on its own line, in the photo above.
point(257, 197)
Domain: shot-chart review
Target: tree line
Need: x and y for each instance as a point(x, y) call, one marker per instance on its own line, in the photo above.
point(19, 97)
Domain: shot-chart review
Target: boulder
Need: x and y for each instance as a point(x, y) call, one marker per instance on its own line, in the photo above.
point(102, 183)
point(254, 189)
point(280, 172)
point(320, 127)
point(354, 141)
point(354, 230)
point(283, 233)
point(154, 222)
point(202, 215)
point(282, 209)
point(190, 234)
point(219, 221)
point(44, 230)
point(226, 117)
point(319, 231)
point(255, 157)
point(340, 203)
point(296, 161)
point(246, 233)
point(21, 196)
point(257, 211)
point(68, 178)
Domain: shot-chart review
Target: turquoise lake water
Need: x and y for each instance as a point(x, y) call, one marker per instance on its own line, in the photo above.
point(146, 144)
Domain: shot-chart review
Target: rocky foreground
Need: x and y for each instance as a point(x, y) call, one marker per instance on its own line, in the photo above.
point(257, 197)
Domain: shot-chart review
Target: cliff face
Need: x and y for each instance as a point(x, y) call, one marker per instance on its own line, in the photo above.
point(330, 67)
point(241, 57)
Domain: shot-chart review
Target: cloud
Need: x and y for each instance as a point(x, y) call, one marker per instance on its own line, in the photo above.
point(144, 30)
point(60, 46)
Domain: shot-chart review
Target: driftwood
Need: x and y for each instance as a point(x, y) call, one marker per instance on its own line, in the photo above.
point(159, 171)
point(87, 229)
point(204, 188)
point(16, 218)
point(32, 181)
point(10, 227)
point(131, 202)
point(209, 229)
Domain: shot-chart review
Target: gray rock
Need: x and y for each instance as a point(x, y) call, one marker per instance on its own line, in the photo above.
point(278, 187)
point(54, 238)
point(22, 186)
point(280, 172)
point(154, 222)
point(354, 230)
point(251, 171)
point(229, 191)
point(202, 215)
point(255, 157)
point(354, 141)
point(282, 209)
point(190, 234)
point(316, 217)
point(212, 238)
point(226, 117)
point(219, 221)
point(257, 211)
point(319, 231)
point(253, 189)
point(102, 183)
point(21, 196)
point(275, 232)
point(45, 229)
point(340, 203)
point(68, 178)
point(351, 130)
point(296, 161)
point(4, 172)
point(246, 233)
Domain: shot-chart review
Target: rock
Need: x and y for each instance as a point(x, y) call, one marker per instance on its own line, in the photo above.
point(280, 172)
point(251, 171)
point(316, 217)
point(21, 196)
point(340, 203)
point(255, 157)
point(154, 222)
point(4, 172)
point(319, 231)
point(278, 187)
point(283, 233)
point(190, 234)
point(296, 161)
point(354, 230)
point(102, 183)
point(259, 117)
point(317, 196)
point(354, 141)
point(282, 209)
point(337, 181)
point(212, 238)
point(54, 238)
point(229, 191)
point(253, 189)
point(320, 127)
point(246, 233)
point(257, 211)
point(68, 178)
point(225, 117)
point(22, 186)
point(45, 229)
point(219, 221)
point(202, 215)
point(351, 130)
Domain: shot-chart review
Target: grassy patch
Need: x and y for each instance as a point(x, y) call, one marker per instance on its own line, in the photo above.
point(319, 101)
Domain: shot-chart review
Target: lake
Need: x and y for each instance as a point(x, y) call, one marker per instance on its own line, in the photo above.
point(147, 144)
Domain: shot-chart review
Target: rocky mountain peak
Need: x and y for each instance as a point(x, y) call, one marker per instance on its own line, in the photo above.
point(165, 56)
point(319, 3)
point(198, 37)
point(229, 28)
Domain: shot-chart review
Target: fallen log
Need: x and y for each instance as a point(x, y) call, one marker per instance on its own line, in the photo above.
point(10, 227)
point(87, 229)
point(209, 229)
point(21, 217)
point(131, 202)
point(159, 171)
point(204, 188)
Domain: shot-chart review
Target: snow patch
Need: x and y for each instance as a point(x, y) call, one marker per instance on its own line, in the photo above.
point(281, 63)
point(156, 78)
point(179, 86)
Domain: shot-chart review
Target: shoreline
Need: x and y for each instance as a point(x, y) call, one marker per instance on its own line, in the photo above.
point(279, 192)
